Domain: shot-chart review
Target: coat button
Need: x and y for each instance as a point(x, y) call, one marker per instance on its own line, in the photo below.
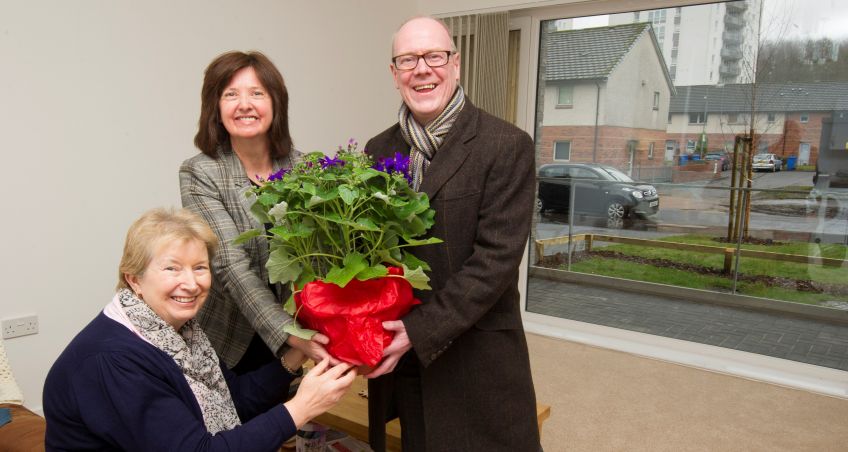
point(434, 356)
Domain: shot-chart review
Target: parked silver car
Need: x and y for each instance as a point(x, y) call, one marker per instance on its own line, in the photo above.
point(767, 162)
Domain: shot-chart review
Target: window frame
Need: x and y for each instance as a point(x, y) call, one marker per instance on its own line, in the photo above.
point(570, 104)
point(803, 118)
point(529, 21)
point(554, 151)
point(699, 115)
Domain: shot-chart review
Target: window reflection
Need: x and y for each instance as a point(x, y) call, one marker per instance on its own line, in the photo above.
point(712, 88)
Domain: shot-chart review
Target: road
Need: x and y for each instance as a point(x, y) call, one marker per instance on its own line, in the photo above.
point(704, 207)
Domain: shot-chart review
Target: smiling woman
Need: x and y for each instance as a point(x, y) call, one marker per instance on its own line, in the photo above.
point(243, 136)
point(143, 375)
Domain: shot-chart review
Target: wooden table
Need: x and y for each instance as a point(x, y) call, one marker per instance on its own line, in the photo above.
point(350, 415)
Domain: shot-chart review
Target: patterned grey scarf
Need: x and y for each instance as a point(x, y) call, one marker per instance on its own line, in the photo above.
point(424, 141)
point(191, 350)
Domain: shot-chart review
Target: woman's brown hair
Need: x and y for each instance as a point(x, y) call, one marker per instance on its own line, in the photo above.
point(210, 130)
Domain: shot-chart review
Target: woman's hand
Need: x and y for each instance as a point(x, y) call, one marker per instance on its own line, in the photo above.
point(321, 388)
point(313, 349)
point(293, 359)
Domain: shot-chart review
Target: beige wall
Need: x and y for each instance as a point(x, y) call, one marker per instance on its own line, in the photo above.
point(631, 87)
point(100, 105)
point(582, 111)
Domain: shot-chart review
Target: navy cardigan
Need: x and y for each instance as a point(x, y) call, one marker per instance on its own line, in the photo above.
point(111, 390)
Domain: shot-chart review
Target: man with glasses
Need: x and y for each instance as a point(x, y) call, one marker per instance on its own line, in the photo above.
point(457, 371)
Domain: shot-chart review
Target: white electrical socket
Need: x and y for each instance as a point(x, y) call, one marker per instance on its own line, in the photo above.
point(19, 326)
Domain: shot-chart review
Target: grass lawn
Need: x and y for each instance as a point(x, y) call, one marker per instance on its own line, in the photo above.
point(788, 192)
point(835, 277)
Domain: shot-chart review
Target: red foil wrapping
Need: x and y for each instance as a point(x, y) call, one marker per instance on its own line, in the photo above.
point(352, 316)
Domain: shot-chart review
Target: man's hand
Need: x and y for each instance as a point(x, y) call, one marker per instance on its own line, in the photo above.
point(391, 354)
point(313, 349)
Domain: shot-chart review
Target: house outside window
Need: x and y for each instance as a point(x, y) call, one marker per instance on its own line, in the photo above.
point(562, 150)
point(631, 73)
point(737, 118)
point(565, 94)
point(697, 118)
point(656, 100)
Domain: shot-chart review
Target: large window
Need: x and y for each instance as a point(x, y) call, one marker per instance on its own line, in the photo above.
point(735, 80)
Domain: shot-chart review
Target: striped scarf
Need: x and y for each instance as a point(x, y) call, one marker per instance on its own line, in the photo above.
point(424, 141)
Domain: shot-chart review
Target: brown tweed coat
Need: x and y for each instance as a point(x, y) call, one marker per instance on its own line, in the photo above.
point(468, 336)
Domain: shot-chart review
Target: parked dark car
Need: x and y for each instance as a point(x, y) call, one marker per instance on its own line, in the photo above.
point(721, 156)
point(600, 190)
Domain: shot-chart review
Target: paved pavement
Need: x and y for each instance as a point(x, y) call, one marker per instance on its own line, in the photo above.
point(782, 336)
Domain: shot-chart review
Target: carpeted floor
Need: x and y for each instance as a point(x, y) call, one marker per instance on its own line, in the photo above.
point(604, 400)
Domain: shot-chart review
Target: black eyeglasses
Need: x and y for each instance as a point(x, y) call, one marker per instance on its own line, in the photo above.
point(436, 58)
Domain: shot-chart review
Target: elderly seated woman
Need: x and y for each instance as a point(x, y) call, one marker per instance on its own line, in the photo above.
point(143, 376)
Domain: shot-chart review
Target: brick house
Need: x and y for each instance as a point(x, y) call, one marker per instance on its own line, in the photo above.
point(787, 118)
point(606, 96)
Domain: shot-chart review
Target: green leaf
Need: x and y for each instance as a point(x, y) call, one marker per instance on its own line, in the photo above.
point(314, 201)
point(387, 257)
point(309, 187)
point(268, 199)
point(348, 194)
point(366, 224)
point(247, 235)
point(419, 242)
point(260, 212)
point(376, 271)
point(336, 218)
point(289, 306)
point(296, 330)
point(282, 267)
point(353, 264)
point(306, 277)
point(296, 230)
point(367, 174)
point(417, 278)
point(410, 261)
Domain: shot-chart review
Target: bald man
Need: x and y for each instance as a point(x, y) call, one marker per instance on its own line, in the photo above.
point(457, 372)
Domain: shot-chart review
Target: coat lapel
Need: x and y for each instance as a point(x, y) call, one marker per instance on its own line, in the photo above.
point(242, 185)
point(453, 152)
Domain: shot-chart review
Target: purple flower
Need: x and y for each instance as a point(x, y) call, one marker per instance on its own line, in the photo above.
point(397, 164)
point(328, 162)
point(279, 174)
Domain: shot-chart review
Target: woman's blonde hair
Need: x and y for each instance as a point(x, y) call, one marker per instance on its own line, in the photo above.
point(156, 227)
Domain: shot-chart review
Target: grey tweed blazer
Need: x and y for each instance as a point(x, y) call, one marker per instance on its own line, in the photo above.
point(240, 301)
